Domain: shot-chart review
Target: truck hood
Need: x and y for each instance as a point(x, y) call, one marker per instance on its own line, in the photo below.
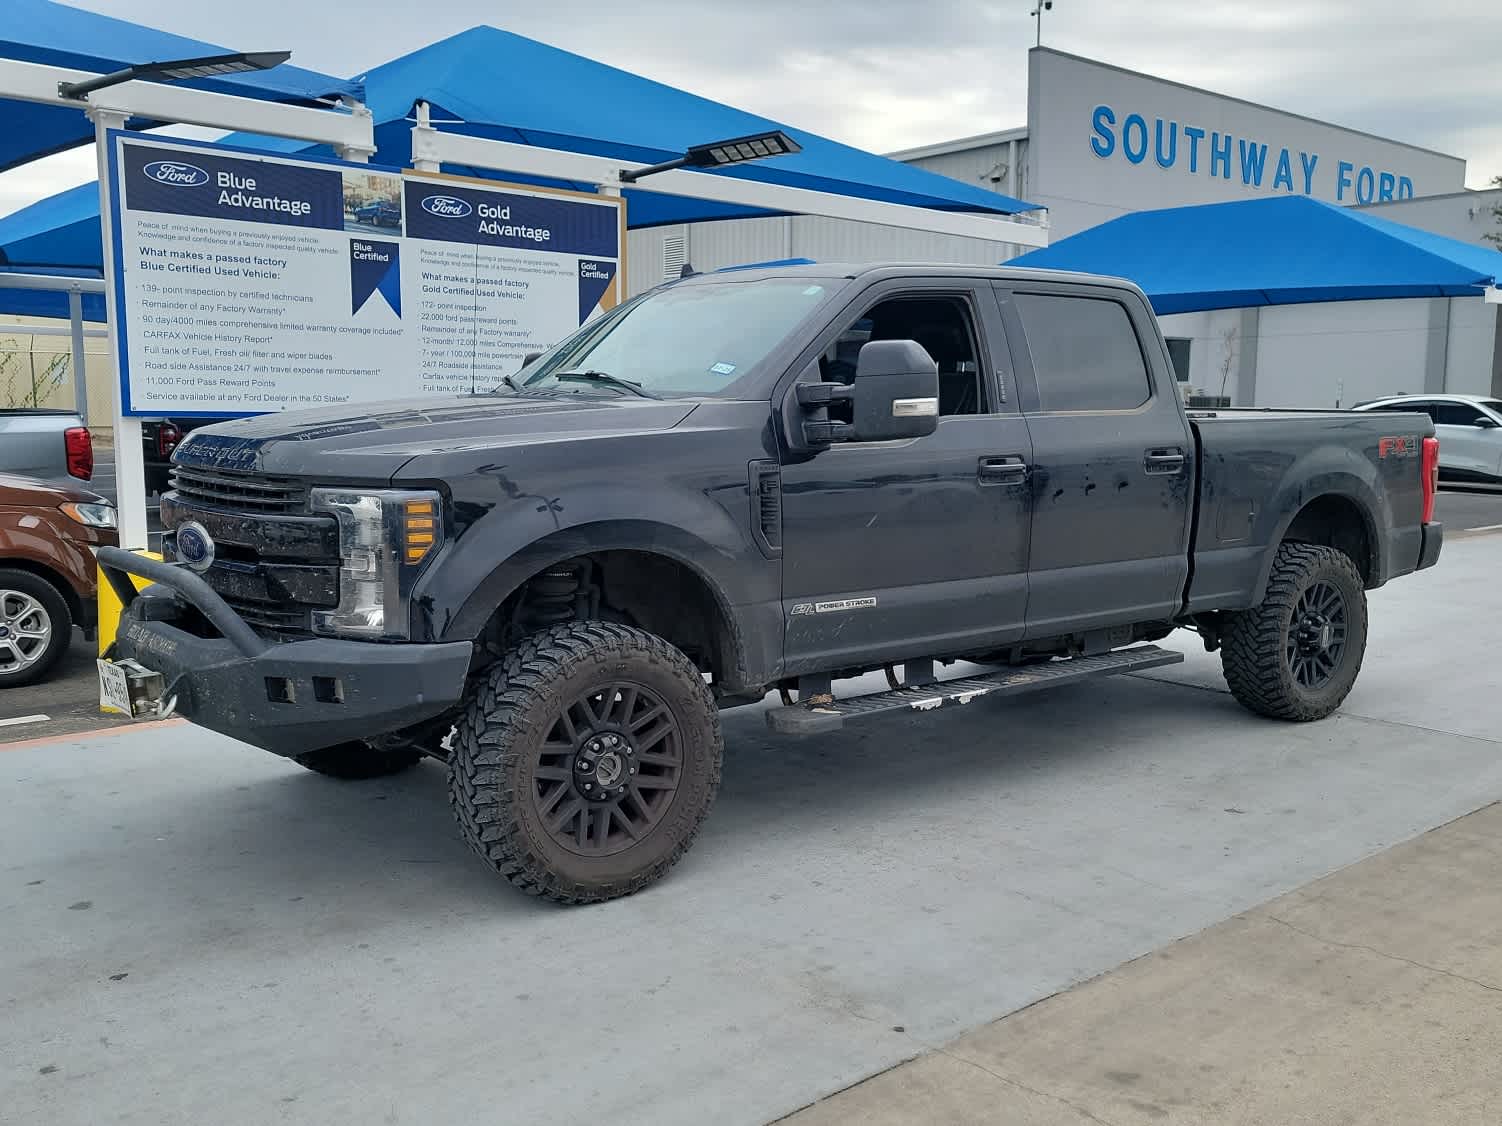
point(372, 441)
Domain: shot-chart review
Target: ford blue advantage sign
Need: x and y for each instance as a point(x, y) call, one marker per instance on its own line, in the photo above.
point(224, 187)
point(252, 282)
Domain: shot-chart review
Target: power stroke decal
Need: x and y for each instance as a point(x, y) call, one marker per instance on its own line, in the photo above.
point(834, 607)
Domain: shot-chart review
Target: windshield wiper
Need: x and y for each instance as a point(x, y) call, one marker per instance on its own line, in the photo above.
point(605, 378)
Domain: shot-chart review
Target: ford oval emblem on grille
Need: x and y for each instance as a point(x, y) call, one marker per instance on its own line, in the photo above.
point(445, 207)
point(176, 173)
point(195, 546)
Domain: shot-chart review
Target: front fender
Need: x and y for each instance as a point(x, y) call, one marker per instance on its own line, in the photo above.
point(500, 551)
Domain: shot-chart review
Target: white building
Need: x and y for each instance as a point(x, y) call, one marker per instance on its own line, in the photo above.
point(1101, 141)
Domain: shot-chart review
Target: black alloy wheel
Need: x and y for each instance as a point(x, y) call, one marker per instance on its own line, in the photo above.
point(607, 773)
point(1317, 635)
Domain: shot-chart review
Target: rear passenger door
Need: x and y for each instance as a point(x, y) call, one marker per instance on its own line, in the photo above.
point(1112, 459)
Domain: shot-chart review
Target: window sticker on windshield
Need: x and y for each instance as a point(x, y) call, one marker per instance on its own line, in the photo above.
point(813, 291)
point(722, 368)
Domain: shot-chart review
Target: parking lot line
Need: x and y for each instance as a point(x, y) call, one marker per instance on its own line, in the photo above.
point(17, 721)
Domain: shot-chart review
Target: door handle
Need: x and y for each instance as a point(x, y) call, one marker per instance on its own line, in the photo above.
point(1004, 470)
point(1164, 461)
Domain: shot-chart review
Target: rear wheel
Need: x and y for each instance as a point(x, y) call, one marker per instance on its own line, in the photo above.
point(585, 761)
point(36, 627)
point(1296, 656)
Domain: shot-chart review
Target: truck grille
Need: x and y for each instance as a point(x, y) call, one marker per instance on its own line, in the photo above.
point(242, 491)
point(273, 617)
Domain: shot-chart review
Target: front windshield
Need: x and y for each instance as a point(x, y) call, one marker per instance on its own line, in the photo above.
point(683, 340)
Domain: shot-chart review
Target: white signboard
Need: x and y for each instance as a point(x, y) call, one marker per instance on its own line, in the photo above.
point(249, 283)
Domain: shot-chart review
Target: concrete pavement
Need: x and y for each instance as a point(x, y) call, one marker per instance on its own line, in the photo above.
point(195, 931)
point(1372, 997)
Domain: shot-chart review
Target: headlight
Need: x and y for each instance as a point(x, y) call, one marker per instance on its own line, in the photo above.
point(94, 515)
point(385, 538)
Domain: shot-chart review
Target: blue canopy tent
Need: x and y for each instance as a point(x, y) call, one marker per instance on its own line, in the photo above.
point(1282, 250)
point(490, 83)
point(485, 82)
point(41, 31)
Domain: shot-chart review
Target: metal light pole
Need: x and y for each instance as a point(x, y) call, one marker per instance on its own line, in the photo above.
point(1037, 14)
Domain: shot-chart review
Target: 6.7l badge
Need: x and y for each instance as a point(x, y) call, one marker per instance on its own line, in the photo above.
point(834, 607)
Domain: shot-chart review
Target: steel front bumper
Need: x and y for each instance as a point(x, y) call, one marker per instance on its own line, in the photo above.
point(286, 697)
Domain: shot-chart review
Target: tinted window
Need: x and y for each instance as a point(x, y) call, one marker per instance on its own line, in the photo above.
point(941, 325)
point(1085, 353)
point(1455, 414)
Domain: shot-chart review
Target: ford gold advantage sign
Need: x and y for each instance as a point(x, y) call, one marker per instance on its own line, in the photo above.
point(249, 283)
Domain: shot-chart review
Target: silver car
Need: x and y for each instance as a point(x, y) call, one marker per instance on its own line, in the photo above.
point(53, 445)
point(1469, 428)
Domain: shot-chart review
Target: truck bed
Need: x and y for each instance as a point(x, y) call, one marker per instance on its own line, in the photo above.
point(1258, 469)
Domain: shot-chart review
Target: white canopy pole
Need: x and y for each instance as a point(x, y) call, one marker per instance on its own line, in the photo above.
point(130, 462)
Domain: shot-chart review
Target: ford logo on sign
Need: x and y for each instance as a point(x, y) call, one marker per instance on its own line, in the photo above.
point(176, 173)
point(446, 207)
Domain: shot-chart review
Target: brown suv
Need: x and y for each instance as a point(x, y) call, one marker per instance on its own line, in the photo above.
point(47, 572)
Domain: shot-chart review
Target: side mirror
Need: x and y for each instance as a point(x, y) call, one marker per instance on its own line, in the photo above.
point(895, 395)
point(1485, 423)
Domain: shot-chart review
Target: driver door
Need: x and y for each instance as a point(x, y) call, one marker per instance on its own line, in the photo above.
point(914, 547)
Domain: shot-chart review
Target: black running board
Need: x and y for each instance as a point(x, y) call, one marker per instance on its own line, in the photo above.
point(800, 719)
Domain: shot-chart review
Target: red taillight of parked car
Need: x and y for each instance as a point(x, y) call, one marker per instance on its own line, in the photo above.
point(80, 449)
point(1431, 476)
point(167, 438)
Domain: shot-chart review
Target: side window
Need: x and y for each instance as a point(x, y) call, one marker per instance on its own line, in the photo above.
point(941, 324)
point(1085, 353)
point(1178, 352)
point(1455, 414)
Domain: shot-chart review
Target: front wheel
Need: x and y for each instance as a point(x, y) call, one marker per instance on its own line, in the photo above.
point(1297, 654)
point(35, 627)
point(585, 761)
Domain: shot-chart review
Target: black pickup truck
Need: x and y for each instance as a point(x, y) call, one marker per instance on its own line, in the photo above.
point(751, 482)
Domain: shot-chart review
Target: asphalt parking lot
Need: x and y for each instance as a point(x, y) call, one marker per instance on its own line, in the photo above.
point(196, 931)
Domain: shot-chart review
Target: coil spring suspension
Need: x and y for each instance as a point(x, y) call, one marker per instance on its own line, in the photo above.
point(553, 596)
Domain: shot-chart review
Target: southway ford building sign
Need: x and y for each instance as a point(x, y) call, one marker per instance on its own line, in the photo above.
point(1209, 152)
point(1103, 141)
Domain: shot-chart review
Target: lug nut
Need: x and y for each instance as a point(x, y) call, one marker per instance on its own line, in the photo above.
point(631, 769)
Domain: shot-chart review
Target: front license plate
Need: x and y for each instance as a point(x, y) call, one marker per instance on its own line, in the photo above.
point(114, 688)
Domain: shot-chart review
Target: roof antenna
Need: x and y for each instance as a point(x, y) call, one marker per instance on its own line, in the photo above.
point(687, 271)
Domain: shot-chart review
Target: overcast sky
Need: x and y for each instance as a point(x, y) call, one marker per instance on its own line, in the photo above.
point(890, 74)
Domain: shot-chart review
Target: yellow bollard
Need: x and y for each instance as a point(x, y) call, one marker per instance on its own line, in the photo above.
point(109, 612)
point(109, 605)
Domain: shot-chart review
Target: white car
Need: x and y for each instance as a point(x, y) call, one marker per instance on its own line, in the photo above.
point(1469, 428)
